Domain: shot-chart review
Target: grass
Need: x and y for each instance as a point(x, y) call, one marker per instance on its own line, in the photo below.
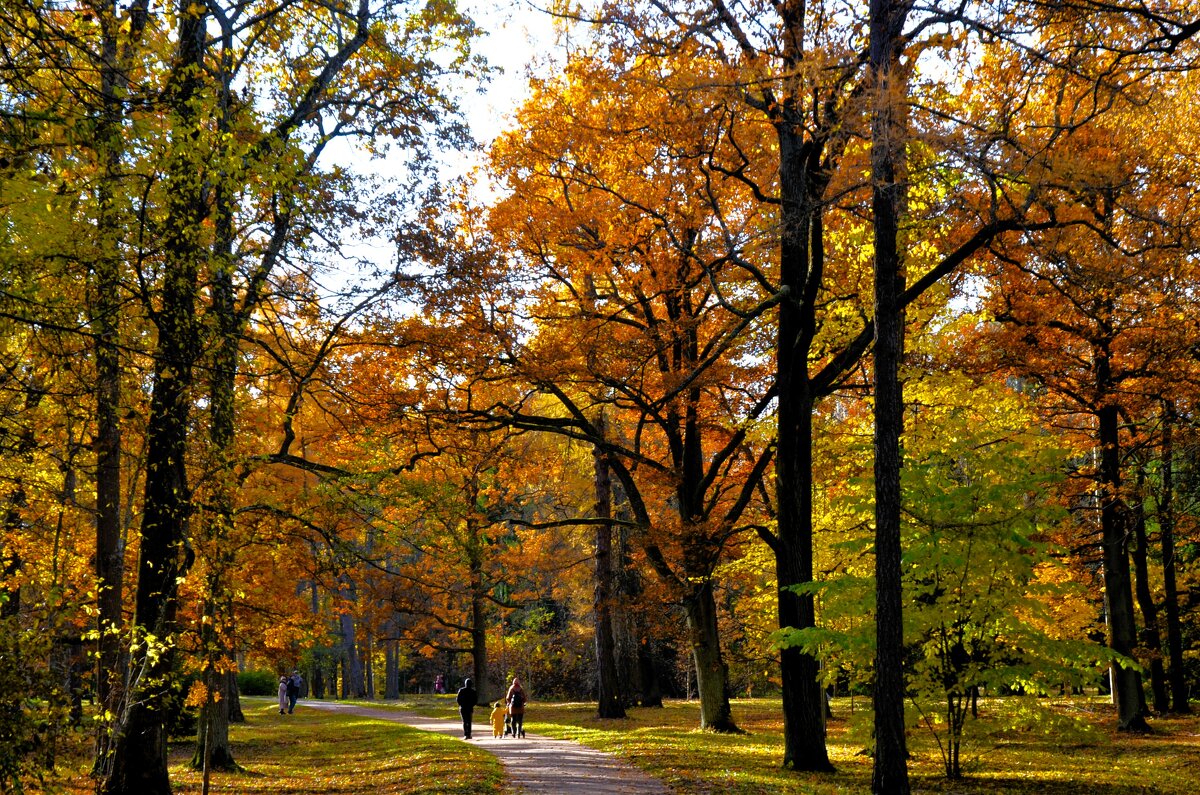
point(1068, 746)
point(1060, 747)
point(333, 754)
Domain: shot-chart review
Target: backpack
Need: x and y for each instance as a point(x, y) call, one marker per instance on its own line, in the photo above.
point(518, 699)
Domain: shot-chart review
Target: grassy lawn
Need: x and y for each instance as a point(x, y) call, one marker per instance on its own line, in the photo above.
point(332, 754)
point(320, 752)
point(1075, 752)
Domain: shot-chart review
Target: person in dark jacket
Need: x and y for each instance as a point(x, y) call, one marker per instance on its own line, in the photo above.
point(295, 682)
point(467, 698)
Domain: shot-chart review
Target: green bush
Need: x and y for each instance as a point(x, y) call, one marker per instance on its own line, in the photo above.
point(257, 683)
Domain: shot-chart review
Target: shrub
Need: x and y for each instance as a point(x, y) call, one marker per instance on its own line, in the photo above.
point(257, 683)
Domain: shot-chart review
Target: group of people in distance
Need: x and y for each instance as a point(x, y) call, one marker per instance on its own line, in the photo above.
point(289, 691)
point(508, 716)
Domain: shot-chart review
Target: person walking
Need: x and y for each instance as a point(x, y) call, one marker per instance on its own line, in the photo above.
point(466, 699)
point(516, 707)
point(283, 694)
point(499, 718)
point(294, 684)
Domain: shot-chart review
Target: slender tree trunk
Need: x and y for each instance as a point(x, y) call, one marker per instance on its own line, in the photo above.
point(1127, 682)
point(607, 687)
point(1150, 640)
point(369, 657)
point(391, 686)
point(1166, 523)
point(888, 141)
point(479, 648)
point(138, 762)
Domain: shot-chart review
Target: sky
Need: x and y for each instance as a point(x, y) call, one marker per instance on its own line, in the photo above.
point(518, 37)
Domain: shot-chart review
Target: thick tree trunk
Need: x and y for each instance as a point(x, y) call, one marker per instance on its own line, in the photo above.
point(1127, 682)
point(1166, 523)
point(803, 701)
point(712, 674)
point(1149, 640)
point(887, 201)
point(138, 762)
point(353, 685)
point(235, 698)
point(608, 694)
point(803, 178)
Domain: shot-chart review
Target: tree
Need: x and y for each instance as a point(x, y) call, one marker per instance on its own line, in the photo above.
point(807, 75)
point(1092, 310)
point(633, 251)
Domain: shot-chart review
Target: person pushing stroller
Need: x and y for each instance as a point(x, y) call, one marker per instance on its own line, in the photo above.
point(515, 699)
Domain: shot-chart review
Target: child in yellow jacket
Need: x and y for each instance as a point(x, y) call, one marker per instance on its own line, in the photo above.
point(498, 714)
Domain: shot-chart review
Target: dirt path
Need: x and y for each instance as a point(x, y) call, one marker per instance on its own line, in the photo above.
point(536, 765)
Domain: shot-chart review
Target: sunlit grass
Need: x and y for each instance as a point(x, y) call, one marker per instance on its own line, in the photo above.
point(1036, 756)
point(315, 751)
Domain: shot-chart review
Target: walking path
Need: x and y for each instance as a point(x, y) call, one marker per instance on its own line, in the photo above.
point(535, 765)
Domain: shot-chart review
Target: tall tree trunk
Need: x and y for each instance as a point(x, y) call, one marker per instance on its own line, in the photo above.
point(1127, 682)
point(712, 673)
point(107, 284)
point(353, 685)
point(1166, 523)
point(479, 649)
point(138, 762)
point(212, 737)
point(803, 702)
point(803, 178)
point(1150, 640)
point(391, 676)
point(369, 662)
point(608, 695)
point(888, 141)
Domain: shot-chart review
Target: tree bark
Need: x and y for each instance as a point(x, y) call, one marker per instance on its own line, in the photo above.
point(1150, 640)
point(109, 563)
point(608, 693)
point(479, 648)
point(712, 673)
point(1127, 682)
point(353, 685)
point(1166, 523)
point(888, 141)
point(137, 764)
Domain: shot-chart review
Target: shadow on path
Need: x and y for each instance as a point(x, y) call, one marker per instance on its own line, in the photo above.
point(535, 765)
